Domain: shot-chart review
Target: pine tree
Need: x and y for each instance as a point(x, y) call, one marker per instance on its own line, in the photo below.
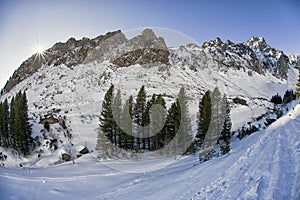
point(20, 127)
point(226, 132)
point(298, 87)
point(185, 137)
point(107, 123)
point(103, 145)
point(146, 123)
point(12, 127)
point(4, 124)
point(126, 125)
point(139, 111)
point(288, 97)
point(216, 122)
point(158, 117)
point(172, 126)
point(26, 126)
point(203, 118)
point(225, 148)
point(117, 109)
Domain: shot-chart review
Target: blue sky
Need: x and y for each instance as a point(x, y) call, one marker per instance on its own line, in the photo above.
point(25, 23)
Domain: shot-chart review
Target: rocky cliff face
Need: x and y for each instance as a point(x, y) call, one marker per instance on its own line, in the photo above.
point(71, 53)
point(147, 49)
point(255, 55)
point(294, 60)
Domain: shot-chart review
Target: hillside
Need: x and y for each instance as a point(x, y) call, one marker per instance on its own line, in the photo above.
point(69, 84)
point(264, 165)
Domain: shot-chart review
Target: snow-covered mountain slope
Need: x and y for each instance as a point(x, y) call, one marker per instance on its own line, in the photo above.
point(264, 165)
point(61, 90)
point(77, 94)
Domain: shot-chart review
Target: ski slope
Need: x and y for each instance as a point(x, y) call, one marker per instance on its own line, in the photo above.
point(264, 165)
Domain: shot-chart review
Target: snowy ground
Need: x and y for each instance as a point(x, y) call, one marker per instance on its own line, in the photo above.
point(264, 165)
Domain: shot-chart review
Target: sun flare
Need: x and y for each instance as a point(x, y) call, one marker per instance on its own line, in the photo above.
point(39, 49)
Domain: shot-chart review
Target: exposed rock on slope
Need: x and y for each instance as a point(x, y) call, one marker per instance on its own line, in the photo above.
point(255, 55)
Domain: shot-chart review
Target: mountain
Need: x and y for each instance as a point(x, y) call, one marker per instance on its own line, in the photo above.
point(294, 59)
point(65, 86)
point(254, 55)
point(67, 83)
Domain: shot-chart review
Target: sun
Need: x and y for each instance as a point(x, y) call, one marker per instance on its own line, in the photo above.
point(39, 49)
point(39, 52)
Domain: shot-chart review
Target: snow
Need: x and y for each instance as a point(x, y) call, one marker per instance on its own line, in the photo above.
point(264, 165)
point(78, 93)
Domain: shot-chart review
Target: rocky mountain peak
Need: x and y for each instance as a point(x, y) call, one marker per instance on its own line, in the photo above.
point(147, 49)
point(146, 40)
point(144, 49)
point(213, 43)
point(257, 42)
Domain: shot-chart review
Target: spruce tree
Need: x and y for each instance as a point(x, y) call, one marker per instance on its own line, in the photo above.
point(12, 120)
point(226, 132)
point(204, 118)
point(139, 112)
point(158, 117)
point(216, 122)
point(298, 87)
point(225, 148)
point(26, 126)
point(126, 138)
point(146, 123)
point(172, 126)
point(4, 124)
point(117, 109)
point(1, 124)
point(107, 123)
point(185, 137)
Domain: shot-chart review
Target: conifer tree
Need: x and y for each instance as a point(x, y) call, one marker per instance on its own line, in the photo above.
point(172, 125)
point(107, 123)
point(139, 112)
point(1, 124)
point(20, 128)
point(216, 122)
point(103, 145)
point(126, 125)
point(26, 126)
point(298, 87)
point(4, 124)
point(185, 130)
point(226, 132)
point(158, 117)
point(146, 122)
point(117, 109)
point(225, 148)
point(13, 138)
point(204, 118)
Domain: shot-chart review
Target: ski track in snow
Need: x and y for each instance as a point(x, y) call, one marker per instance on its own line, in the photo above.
point(264, 165)
point(267, 170)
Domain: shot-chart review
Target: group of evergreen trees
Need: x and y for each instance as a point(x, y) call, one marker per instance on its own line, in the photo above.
point(15, 129)
point(214, 123)
point(298, 86)
point(287, 98)
point(142, 124)
point(147, 124)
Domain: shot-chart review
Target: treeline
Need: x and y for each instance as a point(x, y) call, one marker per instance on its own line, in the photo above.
point(141, 124)
point(214, 122)
point(287, 97)
point(15, 129)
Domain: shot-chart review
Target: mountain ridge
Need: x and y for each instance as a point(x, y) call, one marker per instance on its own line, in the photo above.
point(146, 49)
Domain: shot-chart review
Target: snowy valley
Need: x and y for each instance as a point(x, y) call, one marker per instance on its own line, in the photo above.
point(68, 83)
